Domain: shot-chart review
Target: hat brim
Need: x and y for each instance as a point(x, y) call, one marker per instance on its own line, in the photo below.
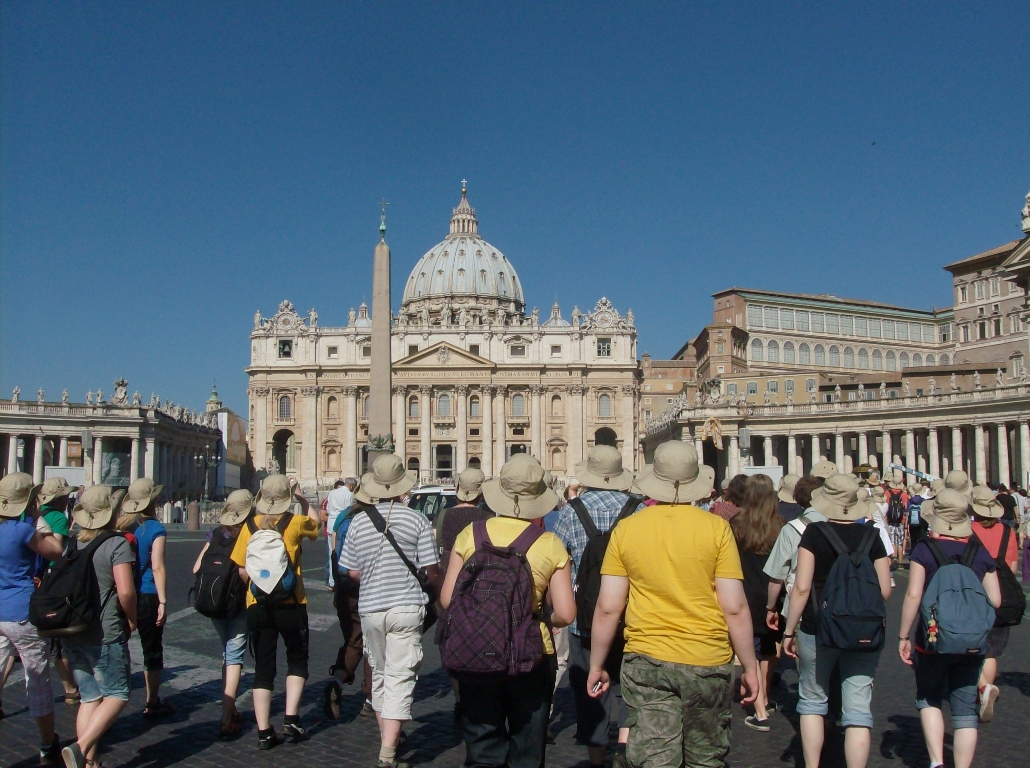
point(391, 491)
point(364, 498)
point(529, 507)
point(668, 492)
point(943, 527)
point(61, 492)
point(133, 506)
point(620, 482)
point(832, 511)
point(989, 511)
point(95, 522)
point(265, 506)
point(469, 495)
point(15, 509)
point(234, 516)
point(785, 495)
point(824, 469)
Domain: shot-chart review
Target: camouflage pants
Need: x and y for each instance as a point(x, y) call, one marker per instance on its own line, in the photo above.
point(679, 715)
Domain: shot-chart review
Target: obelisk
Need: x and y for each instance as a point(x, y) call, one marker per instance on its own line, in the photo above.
point(380, 423)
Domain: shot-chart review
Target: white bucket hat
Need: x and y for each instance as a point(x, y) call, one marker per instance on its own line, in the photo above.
point(238, 507)
point(54, 488)
point(470, 484)
point(985, 504)
point(959, 481)
point(838, 499)
point(951, 514)
point(521, 490)
point(824, 469)
point(96, 506)
point(16, 493)
point(141, 495)
point(603, 470)
point(676, 476)
point(275, 496)
point(388, 478)
point(785, 492)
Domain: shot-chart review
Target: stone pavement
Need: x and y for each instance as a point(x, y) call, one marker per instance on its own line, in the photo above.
point(189, 737)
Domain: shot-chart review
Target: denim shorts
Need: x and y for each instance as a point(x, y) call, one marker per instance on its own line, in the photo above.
point(954, 678)
point(233, 634)
point(100, 671)
point(857, 668)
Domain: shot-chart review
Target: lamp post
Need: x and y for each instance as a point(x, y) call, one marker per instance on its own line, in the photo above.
point(205, 461)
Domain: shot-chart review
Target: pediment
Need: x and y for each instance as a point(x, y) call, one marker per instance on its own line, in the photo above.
point(443, 355)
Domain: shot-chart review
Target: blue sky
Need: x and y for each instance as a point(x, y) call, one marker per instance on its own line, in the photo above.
point(168, 168)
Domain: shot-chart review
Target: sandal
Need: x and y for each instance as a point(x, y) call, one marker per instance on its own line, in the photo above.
point(157, 709)
point(71, 699)
point(230, 729)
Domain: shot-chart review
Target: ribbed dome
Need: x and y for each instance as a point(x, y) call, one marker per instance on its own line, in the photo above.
point(464, 266)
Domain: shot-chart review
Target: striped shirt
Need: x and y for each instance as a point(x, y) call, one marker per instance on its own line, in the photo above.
point(386, 581)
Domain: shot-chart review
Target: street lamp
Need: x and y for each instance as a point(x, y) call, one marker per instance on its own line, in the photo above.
point(205, 461)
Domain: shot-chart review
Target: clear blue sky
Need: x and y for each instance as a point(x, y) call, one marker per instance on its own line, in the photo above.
point(168, 168)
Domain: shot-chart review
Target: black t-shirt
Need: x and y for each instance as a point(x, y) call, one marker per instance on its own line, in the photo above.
point(825, 556)
point(1009, 504)
point(756, 587)
point(789, 510)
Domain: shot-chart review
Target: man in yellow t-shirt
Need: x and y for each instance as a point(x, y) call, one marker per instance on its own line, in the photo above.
point(687, 614)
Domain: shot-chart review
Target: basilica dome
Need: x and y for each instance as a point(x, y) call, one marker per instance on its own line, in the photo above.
point(464, 269)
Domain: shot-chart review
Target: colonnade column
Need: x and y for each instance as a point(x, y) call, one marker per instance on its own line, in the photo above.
point(487, 413)
point(12, 454)
point(1003, 454)
point(733, 459)
point(910, 448)
point(767, 446)
point(888, 457)
point(956, 448)
point(350, 431)
point(62, 460)
point(400, 433)
point(536, 422)
point(863, 448)
point(134, 461)
point(425, 460)
point(37, 459)
point(1024, 452)
point(981, 454)
point(501, 405)
point(98, 458)
point(698, 445)
point(792, 457)
point(933, 449)
point(629, 438)
point(815, 449)
point(461, 460)
point(149, 459)
point(838, 450)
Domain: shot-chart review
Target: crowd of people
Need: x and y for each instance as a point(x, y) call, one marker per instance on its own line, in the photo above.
point(647, 591)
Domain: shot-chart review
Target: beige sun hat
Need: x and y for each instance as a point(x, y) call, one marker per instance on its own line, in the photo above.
point(985, 504)
point(838, 499)
point(824, 469)
point(521, 490)
point(388, 478)
point(878, 494)
point(676, 476)
point(786, 490)
point(896, 481)
point(96, 506)
point(275, 495)
point(951, 514)
point(936, 486)
point(957, 480)
point(238, 507)
point(141, 495)
point(16, 493)
point(54, 488)
point(603, 470)
point(470, 484)
point(873, 478)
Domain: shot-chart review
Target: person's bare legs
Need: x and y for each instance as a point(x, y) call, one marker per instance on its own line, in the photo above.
point(67, 678)
point(964, 746)
point(152, 678)
point(294, 690)
point(763, 689)
point(932, 720)
point(812, 739)
point(988, 673)
point(390, 731)
point(856, 746)
point(230, 686)
point(93, 721)
point(262, 708)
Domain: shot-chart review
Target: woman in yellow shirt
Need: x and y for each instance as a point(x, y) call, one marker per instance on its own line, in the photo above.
point(504, 721)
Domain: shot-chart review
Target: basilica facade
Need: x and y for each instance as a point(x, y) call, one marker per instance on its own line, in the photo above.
point(476, 378)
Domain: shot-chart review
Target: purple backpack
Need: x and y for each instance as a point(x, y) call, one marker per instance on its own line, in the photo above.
point(491, 626)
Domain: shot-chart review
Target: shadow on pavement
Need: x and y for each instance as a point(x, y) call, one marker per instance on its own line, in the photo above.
point(905, 741)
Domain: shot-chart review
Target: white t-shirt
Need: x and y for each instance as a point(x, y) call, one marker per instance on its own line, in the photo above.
point(339, 500)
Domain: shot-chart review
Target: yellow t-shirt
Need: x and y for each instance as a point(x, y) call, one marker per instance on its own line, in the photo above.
point(546, 556)
point(301, 527)
point(672, 555)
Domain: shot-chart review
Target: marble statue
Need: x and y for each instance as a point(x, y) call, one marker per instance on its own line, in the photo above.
point(155, 401)
point(629, 317)
point(932, 384)
point(352, 317)
point(883, 390)
point(137, 399)
point(976, 380)
point(273, 466)
point(64, 397)
point(1026, 214)
point(121, 393)
point(953, 383)
point(576, 316)
point(39, 396)
point(536, 316)
point(836, 393)
point(16, 395)
point(1022, 376)
point(257, 320)
point(89, 397)
point(813, 395)
point(906, 388)
point(790, 397)
point(861, 391)
point(698, 397)
point(999, 378)
point(312, 317)
point(767, 397)
point(100, 397)
point(463, 316)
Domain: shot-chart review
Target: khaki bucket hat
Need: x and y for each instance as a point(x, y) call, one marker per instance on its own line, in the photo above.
point(951, 514)
point(54, 488)
point(676, 476)
point(275, 496)
point(824, 469)
point(896, 481)
point(985, 504)
point(238, 507)
point(838, 499)
point(521, 490)
point(141, 495)
point(936, 486)
point(957, 480)
point(470, 484)
point(388, 478)
point(96, 506)
point(603, 470)
point(16, 493)
point(878, 494)
point(785, 492)
point(873, 478)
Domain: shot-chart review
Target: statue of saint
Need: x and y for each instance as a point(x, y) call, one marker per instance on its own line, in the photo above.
point(64, 397)
point(121, 392)
point(767, 398)
point(576, 316)
point(813, 395)
point(536, 316)
point(790, 397)
point(932, 383)
point(273, 466)
point(100, 397)
point(39, 396)
point(257, 320)
point(836, 393)
point(883, 390)
point(906, 387)
point(16, 394)
point(137, 399)
point(89, 397)
point(976, 380)
point(629, 317)
point(999, 378)
point(312, 317)
point(953, 383)
point(352, 317)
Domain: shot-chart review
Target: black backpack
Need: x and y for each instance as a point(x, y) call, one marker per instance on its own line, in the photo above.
point(895, 508)
point(852, 614)
point(68, 599)
point(1013, 599)
point(588, 577)
point(220, 592)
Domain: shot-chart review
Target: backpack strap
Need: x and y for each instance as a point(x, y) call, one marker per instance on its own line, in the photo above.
point(938, 553)
point(380, 525)
point(970, 552)
point(480, 535)
point(526, 539)
point(251, 525)
point(584, 517)
point(1006, 534)
point(871, 534)
point(826, 529)
point(628, 508)
point(284, 523)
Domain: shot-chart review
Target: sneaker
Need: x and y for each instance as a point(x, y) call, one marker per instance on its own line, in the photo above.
point(264, 742)
point(73, 757)
point(619, 758)
point(752, 721)
point(394, 764)
point(51, 755)
point(294, 731)
point(366, 709)
point(331, 706)
point(771, 707)
point(988, 695)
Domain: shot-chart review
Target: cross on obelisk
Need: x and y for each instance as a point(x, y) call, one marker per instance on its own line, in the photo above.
point(380, 421)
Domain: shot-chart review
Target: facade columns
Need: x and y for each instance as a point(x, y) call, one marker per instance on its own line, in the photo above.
point(12, 454)
point(37, 459)
point(792, 456)
point(259, 398)
point(981, 453)
point(933, 449)
point(134, 461)
point(536, 423)
point(1024, 453)
point(425, 459)
point(1003, 454)
point(733, 459)
point(350, 431)
point(956, 448)
point(461, 458)
point(486, 410)
point(767, 445)
point(501, 406)
point(574, 397)
point(98, 458)
point(400, 433)
point(62, 460)
point(149, 460)
point(629, 431)
point(910, 448)
point(863, 448)
point(838, 451)
point(309, 454)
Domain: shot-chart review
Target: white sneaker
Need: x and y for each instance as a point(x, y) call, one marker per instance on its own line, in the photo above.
point(988, 695)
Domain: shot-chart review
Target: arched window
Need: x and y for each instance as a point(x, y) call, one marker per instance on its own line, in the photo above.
point(788, 352)
point(557, 411)
point(931, 360)
point(518, 405)
point(877, 360)
point(413, 464)
point(805, 355)
point(557, 459)
point(917, 360)
point(849, 357)
point(474, 462)
point(285, 408)
point(756, 350)
point(413, 407)
point(863, 358)
point(443, 405)
point(892, 360)
point(835, 356)
point(474, 411)
point(773, 352)
point(904, 359)
point(364, 406)
point(604, 405)
point(945, 360)
point(332, 408)
point(332, 458)
point(820, 355)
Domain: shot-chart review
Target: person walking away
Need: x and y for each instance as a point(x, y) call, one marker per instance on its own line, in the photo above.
point(99, 657)
point(391, 553)
point(756, 529)
point(228, 614)
point(268, 553)
point(1024, 534)
point(506, 675)
point(1009, 505)
point(916, 524)
point(339, 500)
point(681, 632)
point(960, 623)
point(1000, 542)
point(603, 501)
point(20, 543)
point(821, 637)
point(732, 498)
point(897, 504)
point(788, 508)
point(138, 518)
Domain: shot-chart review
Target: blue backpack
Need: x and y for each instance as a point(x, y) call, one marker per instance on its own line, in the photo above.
point(852, 614)
point(955, 610)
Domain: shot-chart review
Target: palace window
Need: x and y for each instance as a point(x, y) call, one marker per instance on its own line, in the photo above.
point(817, 322)
point(931, 360)
point(604, 347)
point(888, 329)
point(773, 352)
point(863, 358)
point(772, 319)
point(752, 387)
point(809, 384)
point(604, 406)
point(787, 319)
point(556, 350)
point(997, 326)
point(412, 349)
point(474, 407)
point(756, 350)
point(874, 329)
point(517, 350)
point(820, 355)
point(754, 315)
point(861, 326)
point(944, 332)
point(903, 332)
point(963, 294)
point(332, 352)
point(366, 351)
point(981, 329)
point(847, 325)
point(1014, 324)
point(835, 356)
point(285, 408)
point(877, 360)
point(945, 360)
point(903, 360)
point(964, 332)
point(927, 333)
point(788, 352)
point(443, 405)
point(833, 324)
point(731, 389)
point(801, 321)
point(772, 386)
point(474, 349)
point(364, 406)
point(285, 349)
point(849, 357)
point(518, 405)
point(804, 354)
point(979, 285)
point(892, 360)
point(788, 385)
point(917, 360)
point(413, 407)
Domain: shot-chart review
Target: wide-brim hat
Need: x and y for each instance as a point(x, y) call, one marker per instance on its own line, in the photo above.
point(873, 478)
point(520, 490)
point(676, 476)
point(877, 493)
point(838, 499)
point(936, 486)
point(470, 484)
point(603, 470)
point(275, 495)
point(96, 506)
point(54, 488)
point(785, 492)
point(238, 506)
point(824, 469)
point(985, 504)
point(896, 481)
point(141, 494)
point(951, 514)
point(959, 481)
point(388, 478)
point(364, 498)
point(17, 491)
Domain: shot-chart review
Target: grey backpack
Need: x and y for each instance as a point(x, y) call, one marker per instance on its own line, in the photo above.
point(955, 609)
